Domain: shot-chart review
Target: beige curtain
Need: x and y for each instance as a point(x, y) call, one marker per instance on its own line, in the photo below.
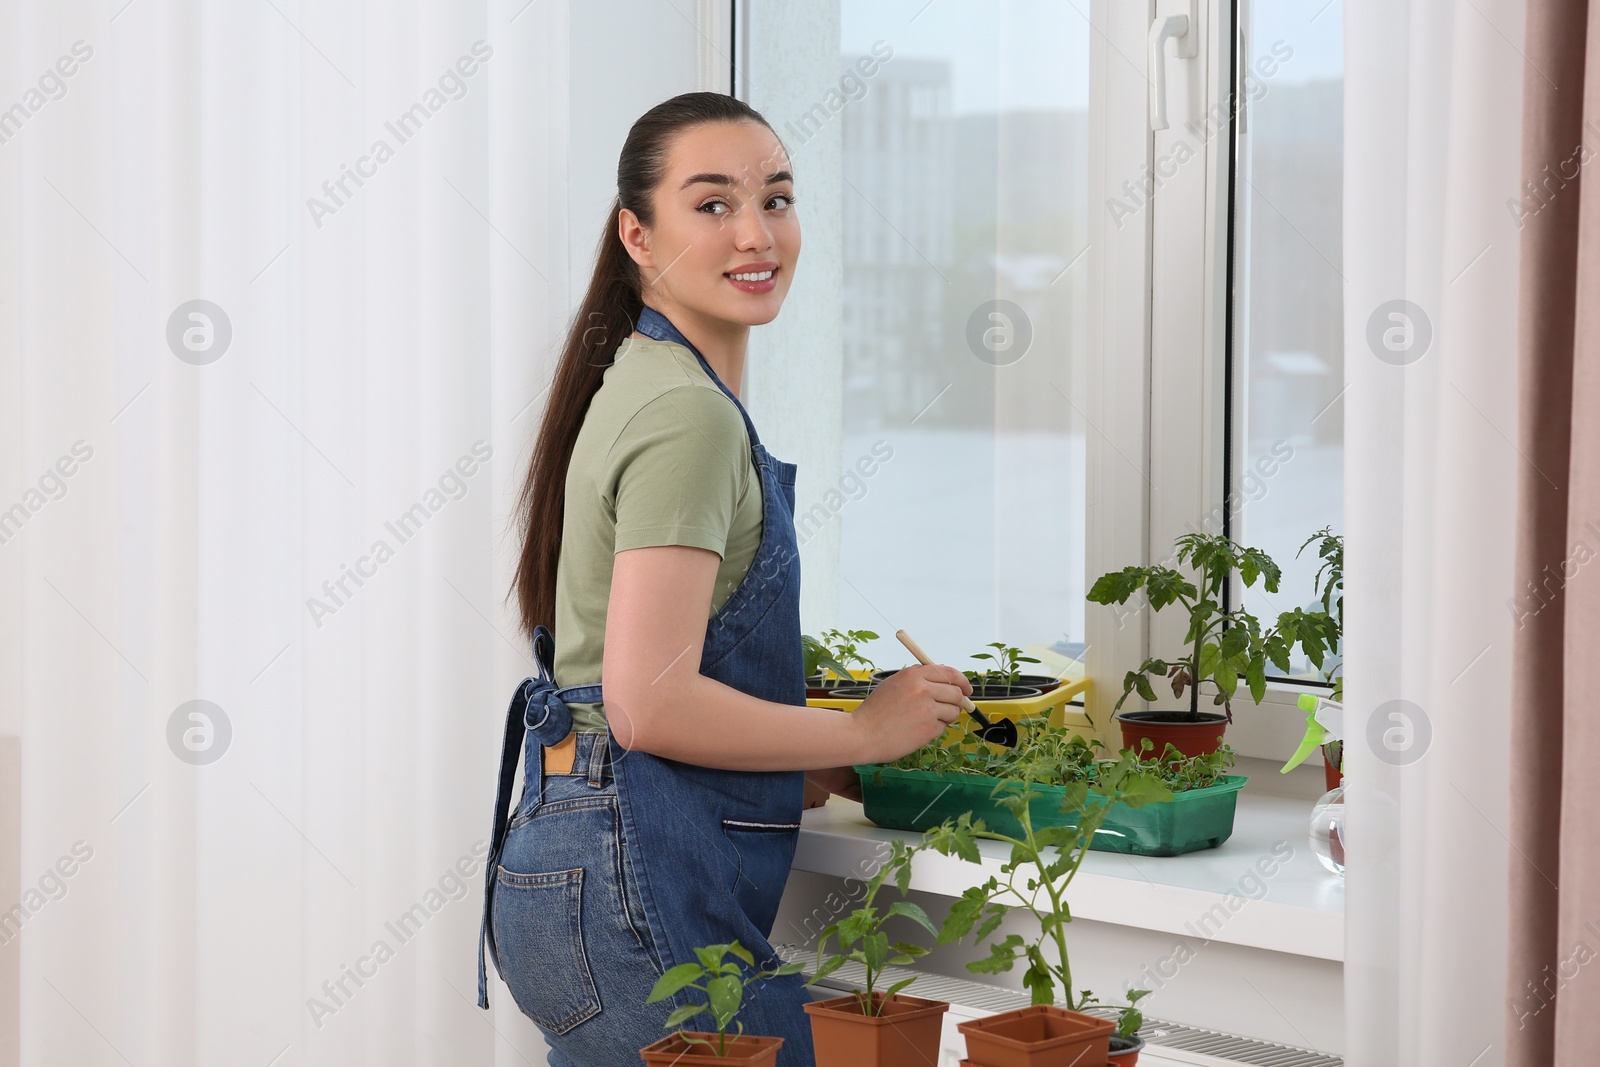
point(1553, 979)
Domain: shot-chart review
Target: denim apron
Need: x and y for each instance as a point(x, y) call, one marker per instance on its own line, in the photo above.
point(606, 877)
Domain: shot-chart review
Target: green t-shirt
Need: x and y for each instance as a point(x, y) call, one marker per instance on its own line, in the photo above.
point(662, 458)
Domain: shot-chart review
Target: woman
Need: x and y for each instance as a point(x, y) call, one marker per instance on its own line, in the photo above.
point(659, 538)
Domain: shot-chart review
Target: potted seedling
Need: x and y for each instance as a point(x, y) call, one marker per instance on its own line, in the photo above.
point(1328, 584)
point(721, 996)
point(1005, 672)
point(1005, 680)
point(1053, 1029)
point(1126, 1043)
point(870, 1027)
point(1223, 646)
point(828, 663)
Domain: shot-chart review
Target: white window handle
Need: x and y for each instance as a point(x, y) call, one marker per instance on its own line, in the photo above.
point(1179, 28)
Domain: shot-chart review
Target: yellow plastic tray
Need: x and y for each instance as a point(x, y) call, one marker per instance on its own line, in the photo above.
point(1052, 703)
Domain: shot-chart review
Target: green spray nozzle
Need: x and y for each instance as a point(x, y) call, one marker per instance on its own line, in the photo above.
point(1324, 723)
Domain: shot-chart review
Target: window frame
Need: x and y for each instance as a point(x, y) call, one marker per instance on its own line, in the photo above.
point(1160, 292)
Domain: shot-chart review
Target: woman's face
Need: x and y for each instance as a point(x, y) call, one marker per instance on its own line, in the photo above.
point(724, 208)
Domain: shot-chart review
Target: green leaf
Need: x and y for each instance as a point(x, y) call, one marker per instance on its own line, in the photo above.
point(674, 980)
point(1115, 587)
point(833, 963)
point(991, 922)
point(742, 952)
point(892, 990)
point(1138, 791)
point(1227, 678)
point(914, 913)
point(1166, 586)
point(876, 948)
point(683, 1015)
point(725, 994)
point(1001, 957)
point(1256, 678)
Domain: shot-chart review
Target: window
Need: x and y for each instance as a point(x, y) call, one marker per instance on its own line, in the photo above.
point(1082, 336)
point(1287, 431)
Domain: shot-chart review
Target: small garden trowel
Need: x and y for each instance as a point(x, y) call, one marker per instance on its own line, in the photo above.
point(999, 731)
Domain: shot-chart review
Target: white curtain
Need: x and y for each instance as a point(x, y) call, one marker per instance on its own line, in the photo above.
point(1432, 156)
point(293, 507)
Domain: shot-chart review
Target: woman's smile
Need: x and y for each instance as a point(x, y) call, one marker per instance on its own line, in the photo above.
point(754, 277)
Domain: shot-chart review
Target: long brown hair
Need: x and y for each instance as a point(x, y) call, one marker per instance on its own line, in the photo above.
point(608, 314)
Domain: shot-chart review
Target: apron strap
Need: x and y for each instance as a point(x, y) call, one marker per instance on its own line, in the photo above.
point(552, 722)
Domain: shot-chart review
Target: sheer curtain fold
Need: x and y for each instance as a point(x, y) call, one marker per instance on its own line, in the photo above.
point(282, 283)
point(1433, 107)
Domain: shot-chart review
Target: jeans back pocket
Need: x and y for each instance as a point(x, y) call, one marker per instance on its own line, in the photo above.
point(538, 937)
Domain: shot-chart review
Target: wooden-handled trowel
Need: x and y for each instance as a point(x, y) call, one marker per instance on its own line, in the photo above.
point(999, 731)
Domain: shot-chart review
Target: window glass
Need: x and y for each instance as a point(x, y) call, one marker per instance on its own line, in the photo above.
point(965, 220)
point(1288, 345)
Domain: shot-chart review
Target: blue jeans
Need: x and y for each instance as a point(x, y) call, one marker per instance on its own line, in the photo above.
point(574, 940)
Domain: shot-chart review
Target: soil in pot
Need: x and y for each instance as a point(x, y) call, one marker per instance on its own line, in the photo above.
point(1041, 1035)
point(1199, 736)
point(906, 1034)
point(746, 1050)
point(818, 686)
point(1004, 692)
point(1043, 682)
point(1124, 1051)
point(852, 692)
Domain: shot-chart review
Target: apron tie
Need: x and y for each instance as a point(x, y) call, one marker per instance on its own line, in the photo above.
point(537, 709)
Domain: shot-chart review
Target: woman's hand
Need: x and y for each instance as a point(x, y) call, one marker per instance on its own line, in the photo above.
point(908, 709)
point(841, 781)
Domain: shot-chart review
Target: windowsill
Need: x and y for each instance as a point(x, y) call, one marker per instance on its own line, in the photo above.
point(1301, 913)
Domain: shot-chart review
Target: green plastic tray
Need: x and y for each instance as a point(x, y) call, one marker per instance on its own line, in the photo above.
point(920, 800)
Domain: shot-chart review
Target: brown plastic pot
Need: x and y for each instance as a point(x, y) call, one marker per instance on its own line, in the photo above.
point(1124, 1051)
point(1193, 738)
point(1331, 775)
point(746, 1050)
point(906, 1034)
point(1041, 1035)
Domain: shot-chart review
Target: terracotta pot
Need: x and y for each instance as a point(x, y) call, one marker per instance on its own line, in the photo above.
point(1197, 738)
point(1124, 1051)
point(906, 1034)
point(1041, 1035)
point(746, 1050)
